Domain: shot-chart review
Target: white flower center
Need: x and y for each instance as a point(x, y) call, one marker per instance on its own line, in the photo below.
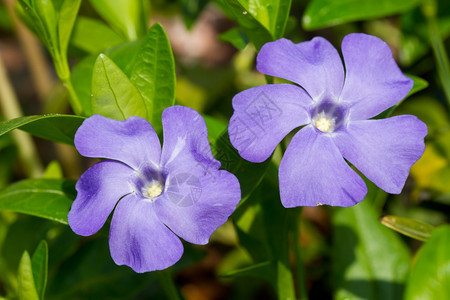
point(324, 123)
point(152, 190)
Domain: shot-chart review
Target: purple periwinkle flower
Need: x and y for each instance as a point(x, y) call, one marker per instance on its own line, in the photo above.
point(157, 194)
point(335, 106)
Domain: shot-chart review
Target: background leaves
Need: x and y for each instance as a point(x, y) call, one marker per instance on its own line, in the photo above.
point(120, 66)
point(58, 128)
point(324, 13)
point(431, 268)
point(45, 198)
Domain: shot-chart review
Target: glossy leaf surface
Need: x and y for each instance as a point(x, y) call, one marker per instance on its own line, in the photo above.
point(113, 94)
point(324, 13)
point(58, 128)
point(45, 198)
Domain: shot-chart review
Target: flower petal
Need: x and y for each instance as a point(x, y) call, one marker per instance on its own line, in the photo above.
point(138, 238)
point(384, 150)
point(315, 65)
point(194, 207)
point(313, 172)
point(186, 144)
point(264, 115)
point(99, 189)
point(132, 141)
point(373, 81)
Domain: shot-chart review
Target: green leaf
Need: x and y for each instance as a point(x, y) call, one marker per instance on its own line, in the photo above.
point(39, 262)
point(31, 18)
point(370, 261)
point(262, 225)
point(58, 128)
point(191, 10)
point(153, 74)
point(254, 30)
point(47, 14)
point(53, 170)
point(325, 13)
point(419, 84)
point(264, 269)
point(215, 127)
point(66, 20)
point(93, 36)
point(430, 276)
point(41, 17)
point(113, 94)
point(8, 154)
point(129, 17)
point(249, 174)
point(415, 41)
point(236, 37)
point(412, 228)
point(27, 289)
point(82, 72)
point(45, 198)
point(272, 14)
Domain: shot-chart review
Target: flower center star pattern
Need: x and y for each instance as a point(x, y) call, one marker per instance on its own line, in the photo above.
point(335, 108)
point(156, 194)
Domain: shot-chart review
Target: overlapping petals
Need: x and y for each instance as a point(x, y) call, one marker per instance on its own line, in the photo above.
point(213, 198)
point(313, 170)
point(159, 194)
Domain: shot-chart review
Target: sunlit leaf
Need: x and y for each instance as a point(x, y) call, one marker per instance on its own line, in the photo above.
point(113, 94)
point(27, 289)
point(82, 73)
point(153, 74)
point(253, 29)
point(53, 170)
point(45, 198)
point(412, 228)
point(66, 20)
point(431, 272)
point(128, 16)
point(271, 14)
point(370, 261)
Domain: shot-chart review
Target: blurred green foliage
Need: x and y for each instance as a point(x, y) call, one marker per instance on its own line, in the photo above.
point(120, 65)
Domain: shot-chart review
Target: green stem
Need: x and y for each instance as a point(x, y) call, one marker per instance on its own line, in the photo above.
point(300, 269)
point(11, 110)
point(73, 97)
point(440, 54)
point(166, 281)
